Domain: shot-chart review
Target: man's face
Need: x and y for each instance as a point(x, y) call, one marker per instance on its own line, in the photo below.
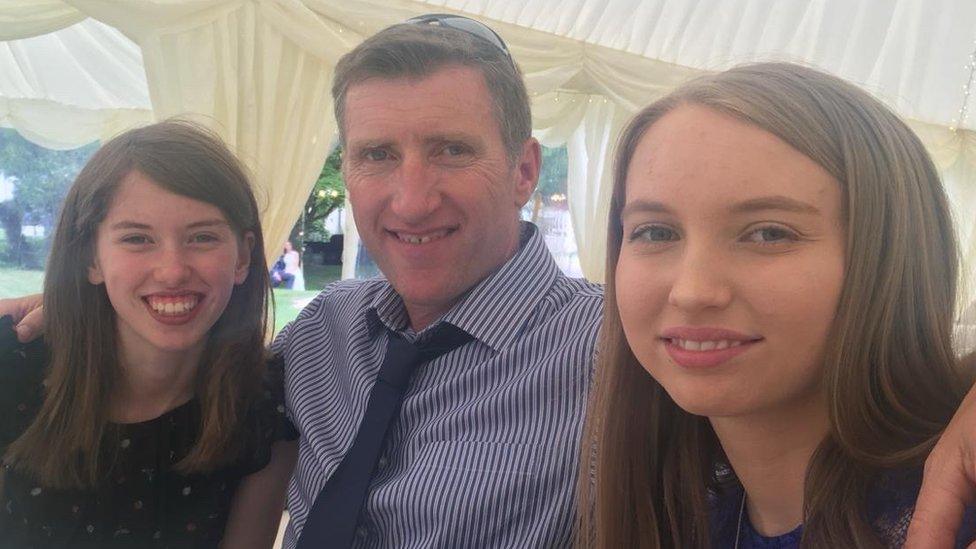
point(435, 197)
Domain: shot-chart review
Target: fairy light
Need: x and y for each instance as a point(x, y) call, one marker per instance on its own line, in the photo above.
point(570, 96)
point(960, 120)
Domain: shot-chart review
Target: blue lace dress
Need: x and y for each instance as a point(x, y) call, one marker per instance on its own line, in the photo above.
point(891, 504)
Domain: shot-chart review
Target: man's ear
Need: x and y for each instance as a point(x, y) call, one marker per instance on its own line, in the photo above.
point(244, 258)
point(527, 171)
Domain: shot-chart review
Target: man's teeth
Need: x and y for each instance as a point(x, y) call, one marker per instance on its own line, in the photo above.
point(173, 306)
point(421, 239)
point(690, 345)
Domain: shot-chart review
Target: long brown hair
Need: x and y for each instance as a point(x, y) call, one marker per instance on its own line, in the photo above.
point(63, 446)
point(890, 377)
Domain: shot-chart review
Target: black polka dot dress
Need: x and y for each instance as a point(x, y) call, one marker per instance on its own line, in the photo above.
point(142, 502)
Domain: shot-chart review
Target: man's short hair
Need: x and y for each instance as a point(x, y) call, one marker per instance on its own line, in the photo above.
point(417, 51)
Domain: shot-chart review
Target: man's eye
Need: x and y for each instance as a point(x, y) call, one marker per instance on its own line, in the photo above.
point(654, 234)
point(376, 155)
point(455, 150)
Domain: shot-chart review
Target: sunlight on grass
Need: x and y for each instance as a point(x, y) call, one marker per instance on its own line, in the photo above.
point(16, 282)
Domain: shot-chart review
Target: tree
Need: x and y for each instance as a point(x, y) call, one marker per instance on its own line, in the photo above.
point(43, 178)
point(328, 194)
point(552, 178)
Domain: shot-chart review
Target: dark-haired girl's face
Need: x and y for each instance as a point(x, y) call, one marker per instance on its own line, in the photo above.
point(731, 265)
point(169, 265)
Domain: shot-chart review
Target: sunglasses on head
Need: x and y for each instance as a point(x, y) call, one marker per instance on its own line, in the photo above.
point(463, 24)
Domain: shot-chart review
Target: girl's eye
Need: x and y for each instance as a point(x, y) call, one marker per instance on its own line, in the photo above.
point(654, 234)
point(765, 236)
point(204, 238)
point(135, 239)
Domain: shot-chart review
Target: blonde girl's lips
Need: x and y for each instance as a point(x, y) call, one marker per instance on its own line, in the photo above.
point(705, 354)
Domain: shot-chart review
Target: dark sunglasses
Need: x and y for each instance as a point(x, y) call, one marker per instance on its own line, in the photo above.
point(463, 24)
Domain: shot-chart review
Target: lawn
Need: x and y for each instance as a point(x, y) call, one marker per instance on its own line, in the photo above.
point(15, 282)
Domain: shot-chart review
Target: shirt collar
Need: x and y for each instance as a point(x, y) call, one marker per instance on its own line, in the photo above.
point(495, 310)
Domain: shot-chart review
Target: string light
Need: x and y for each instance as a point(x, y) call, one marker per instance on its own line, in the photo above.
point(571, 96)
point(960, 121)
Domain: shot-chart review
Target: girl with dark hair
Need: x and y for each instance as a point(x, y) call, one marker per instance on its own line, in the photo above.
point(148, 416)
point(776, 360)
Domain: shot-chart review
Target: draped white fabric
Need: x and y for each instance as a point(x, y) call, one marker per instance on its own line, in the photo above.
point(65, 89)
point(259, 70)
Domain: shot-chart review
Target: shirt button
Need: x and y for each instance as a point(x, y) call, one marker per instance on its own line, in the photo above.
point(361, 532)
point(383, 463)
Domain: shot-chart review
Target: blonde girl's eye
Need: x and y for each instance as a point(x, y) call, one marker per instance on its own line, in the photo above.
point(769, 235)
point(653, 234)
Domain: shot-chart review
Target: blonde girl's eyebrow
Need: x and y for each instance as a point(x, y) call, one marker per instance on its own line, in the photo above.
point(774, 202)
point(643, 206)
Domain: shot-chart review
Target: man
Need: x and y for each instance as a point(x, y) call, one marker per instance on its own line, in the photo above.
point(438, 161)
point(483, 450)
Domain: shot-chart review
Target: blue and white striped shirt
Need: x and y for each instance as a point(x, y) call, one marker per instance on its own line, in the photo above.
point(484, 452)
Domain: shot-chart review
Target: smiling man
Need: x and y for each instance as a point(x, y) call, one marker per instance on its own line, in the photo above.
point(477, 446)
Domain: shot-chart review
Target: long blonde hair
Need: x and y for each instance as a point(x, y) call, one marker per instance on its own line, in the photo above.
point(890, 376)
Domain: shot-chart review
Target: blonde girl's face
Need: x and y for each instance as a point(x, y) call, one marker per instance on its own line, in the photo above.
point(731, 264)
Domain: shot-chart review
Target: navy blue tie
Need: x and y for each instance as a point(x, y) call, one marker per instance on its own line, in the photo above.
point(333, 517)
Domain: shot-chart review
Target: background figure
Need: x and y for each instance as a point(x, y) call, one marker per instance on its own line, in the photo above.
point(293, 266)
point(280, 278)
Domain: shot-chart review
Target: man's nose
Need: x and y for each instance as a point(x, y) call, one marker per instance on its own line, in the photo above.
point(417, 193)
point(700, 281)
point(172, 266)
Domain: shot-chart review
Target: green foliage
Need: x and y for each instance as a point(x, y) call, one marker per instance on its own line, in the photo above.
point(328, 194)
point(555, 167)
point(43, 178)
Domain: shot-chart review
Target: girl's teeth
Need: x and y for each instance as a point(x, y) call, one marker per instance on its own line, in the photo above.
point(173, 307)
point(689, 345)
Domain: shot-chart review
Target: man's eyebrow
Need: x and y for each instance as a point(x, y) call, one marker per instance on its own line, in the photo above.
point(451, 137)
point(367, 144)
point(644, 206)
point(774, 202)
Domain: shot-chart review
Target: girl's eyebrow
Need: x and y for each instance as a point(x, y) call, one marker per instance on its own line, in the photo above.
point(644, 206)
point(763, 203)
point(126, 224)
point(774, 202)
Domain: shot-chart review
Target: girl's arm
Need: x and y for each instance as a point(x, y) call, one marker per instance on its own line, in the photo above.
point(255, 512)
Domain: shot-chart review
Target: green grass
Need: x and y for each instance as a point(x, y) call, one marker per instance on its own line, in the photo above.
point(319, 276)
point(16, 283)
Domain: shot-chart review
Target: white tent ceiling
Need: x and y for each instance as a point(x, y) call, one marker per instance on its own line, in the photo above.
point(259, 70)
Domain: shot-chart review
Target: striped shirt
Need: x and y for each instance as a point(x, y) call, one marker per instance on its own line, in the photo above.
point(484, 450)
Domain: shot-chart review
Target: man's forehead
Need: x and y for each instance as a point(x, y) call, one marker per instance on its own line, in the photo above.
point(453, 100)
